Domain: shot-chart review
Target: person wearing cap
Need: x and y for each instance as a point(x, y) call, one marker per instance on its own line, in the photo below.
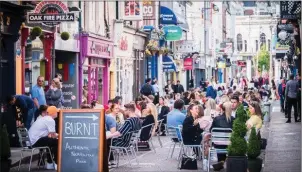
point(43, 133)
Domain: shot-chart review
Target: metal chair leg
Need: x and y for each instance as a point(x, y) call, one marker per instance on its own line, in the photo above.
point(134, 153)
point(40, 159)
point(50, 154)
point(31, 158)
point(129, 161)
point(20, 160)
point(152, 145)
point(173, 150)
point(160, 143)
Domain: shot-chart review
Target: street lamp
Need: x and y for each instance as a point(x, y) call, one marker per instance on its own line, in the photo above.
point(203, 10)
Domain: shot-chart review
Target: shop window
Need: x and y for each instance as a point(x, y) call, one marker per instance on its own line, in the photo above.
point(269, 44)
point(262, 40)
point(239, 42)
point(245, 45)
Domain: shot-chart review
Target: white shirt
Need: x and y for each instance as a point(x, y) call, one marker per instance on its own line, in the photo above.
point(41, 127)
point(155, 88)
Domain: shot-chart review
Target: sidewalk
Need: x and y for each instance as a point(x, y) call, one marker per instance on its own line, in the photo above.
point(283, 151)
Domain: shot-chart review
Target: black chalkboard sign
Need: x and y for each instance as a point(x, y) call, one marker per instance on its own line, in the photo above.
point(81, 140)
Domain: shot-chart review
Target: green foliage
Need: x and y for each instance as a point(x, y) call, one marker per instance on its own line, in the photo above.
point(65, 36)
point(263, 59)
point(253, 149)
point(36, 31)
point(238, 146)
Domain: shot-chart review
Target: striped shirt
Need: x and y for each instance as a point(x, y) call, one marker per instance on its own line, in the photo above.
point(131, 124)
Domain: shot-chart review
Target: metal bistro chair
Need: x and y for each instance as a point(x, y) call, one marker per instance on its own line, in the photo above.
point(171, 132)
point(160, 123)
point(120, 150)
point(27, 146)
point(138, 134)
point(184, 147)
point(220, 136)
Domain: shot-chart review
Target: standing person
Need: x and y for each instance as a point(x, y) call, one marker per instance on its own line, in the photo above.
point(54, 94)
point(299, 96)
point(179, 88)
point(147, 89)
point(26, 104)
point(156, 91)
point(38, 95)
point(281, 92)
point(169, 87)
point(203, 85)
point(211, 91)
point(291, 91)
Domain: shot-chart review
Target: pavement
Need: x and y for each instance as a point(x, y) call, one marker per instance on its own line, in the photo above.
point(283, 151)
point(282, 154)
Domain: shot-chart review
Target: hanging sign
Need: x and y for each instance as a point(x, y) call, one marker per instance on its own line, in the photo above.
point(188, 63)
point(148, 10)
point(50, 13)
point(131, 10)
point(173, 33)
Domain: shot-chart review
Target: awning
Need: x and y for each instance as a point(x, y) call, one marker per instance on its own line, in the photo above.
point(168, 64)
point(168, 17)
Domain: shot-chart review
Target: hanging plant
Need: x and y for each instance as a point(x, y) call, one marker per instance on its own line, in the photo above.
point(65, 36)
point(148, 53)
point(36, 31)
point(41, 37)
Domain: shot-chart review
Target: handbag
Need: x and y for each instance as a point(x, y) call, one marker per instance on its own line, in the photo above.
point(188, 163)
point(263, 143)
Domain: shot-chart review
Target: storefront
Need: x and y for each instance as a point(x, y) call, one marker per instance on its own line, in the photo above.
point(188, 67)
point(94, 64)
point(124, 66)
point(66, 62)
point(199, 70)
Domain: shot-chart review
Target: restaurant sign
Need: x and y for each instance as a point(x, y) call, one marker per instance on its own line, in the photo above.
point(50, 13)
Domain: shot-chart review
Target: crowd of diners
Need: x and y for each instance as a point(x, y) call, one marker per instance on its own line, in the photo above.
point(195, 110)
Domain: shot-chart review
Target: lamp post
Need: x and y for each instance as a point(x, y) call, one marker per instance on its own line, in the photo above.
point(271, 56)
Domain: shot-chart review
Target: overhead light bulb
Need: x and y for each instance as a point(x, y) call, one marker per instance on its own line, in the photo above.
point(285, 57)
point(282, 35)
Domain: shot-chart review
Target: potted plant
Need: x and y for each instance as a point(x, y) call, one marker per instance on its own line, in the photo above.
point(237, 160)
point(36, 31)
point(4, 150)
point(65, 36)
point(253, 151)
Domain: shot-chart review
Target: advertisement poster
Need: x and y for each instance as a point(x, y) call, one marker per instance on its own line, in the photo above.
point(131, 10)
point(148, 10)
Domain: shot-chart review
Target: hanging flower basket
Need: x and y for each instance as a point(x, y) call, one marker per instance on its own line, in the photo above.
point(148, 53)
point(36, 31)
point(65, 36)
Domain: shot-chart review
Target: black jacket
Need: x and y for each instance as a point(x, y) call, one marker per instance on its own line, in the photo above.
point(221, 122)
point(163, 114)
point(146, 90)
point(178, 89)
point(191, 133)
point(146, 132)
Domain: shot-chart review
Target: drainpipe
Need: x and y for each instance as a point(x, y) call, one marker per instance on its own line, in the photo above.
point(80, 55)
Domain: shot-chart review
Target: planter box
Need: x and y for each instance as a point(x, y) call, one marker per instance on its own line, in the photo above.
point(236, 164)
point(5, 165)
point(255, 165)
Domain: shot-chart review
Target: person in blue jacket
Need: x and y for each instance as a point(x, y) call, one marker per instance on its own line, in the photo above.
point(26, 105)
point(211, 92)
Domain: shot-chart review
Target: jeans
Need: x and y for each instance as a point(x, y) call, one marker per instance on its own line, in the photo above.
point(291, 102)
point(282, 102)
point(30, 116)
point(52, 143)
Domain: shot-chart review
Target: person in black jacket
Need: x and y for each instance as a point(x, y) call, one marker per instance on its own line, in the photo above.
point(163, 110)
point(147, 89)
point(178, 88)
point(191, 131)
point(223, 121)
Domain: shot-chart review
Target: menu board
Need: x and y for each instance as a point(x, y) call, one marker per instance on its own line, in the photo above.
point(81, 141)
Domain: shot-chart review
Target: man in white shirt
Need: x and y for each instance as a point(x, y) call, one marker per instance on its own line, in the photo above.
point(43, 133)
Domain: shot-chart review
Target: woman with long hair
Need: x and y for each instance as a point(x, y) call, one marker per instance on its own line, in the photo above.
point(191, 131)
point(210, 108)
point(255, 119)
point(162, 110)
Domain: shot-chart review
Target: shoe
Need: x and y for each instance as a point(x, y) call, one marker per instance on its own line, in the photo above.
point(163, 134)
point(205, 165)
point(288, 121)
point(298, 120)
point(51, 166)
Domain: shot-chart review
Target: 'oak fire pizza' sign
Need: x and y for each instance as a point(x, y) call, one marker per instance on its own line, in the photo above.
point(50, 13)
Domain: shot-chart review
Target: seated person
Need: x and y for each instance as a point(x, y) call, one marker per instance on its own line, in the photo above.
point(110, 123)
point(255, 118)
point(42, 111)
point(122, 137)
point(223, 121)
point(176, 117)
point(43, 133)
point(148, 120)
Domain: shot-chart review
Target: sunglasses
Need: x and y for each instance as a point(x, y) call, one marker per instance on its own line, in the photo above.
point(40, 80)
